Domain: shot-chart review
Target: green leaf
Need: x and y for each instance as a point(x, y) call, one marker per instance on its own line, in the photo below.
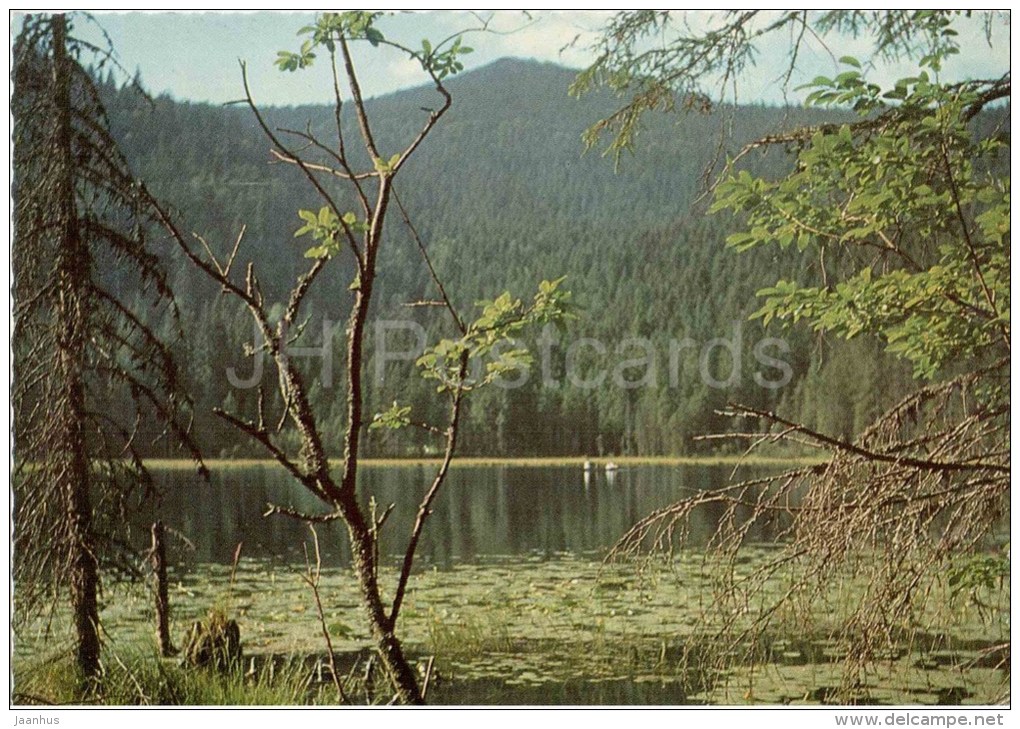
point(395, 417)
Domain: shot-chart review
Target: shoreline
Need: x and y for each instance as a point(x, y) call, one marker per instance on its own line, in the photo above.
point(518, 462)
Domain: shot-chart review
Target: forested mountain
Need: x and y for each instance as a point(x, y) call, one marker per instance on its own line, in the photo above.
point(505, 196)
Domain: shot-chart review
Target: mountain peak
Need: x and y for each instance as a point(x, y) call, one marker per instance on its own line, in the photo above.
point(514, 63)
point(510, 66)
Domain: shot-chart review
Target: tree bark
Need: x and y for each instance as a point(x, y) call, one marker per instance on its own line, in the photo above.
point(391, 654)
point(399, 671)
point(72, 271)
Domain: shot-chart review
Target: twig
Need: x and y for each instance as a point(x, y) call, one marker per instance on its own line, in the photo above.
point(327, 198)
point(924, 464)
point(272, 509)
point(312, 579)
point(424, 509)
point(428, 678)
point(428, 263)
point(233, 564)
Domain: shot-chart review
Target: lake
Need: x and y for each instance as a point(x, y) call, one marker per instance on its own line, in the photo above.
point(483, 512)
point(512, 598)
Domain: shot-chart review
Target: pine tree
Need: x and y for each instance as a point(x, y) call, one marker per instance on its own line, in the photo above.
point(89, 375)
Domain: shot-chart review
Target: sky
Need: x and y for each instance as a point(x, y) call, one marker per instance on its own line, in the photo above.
point(194, 55)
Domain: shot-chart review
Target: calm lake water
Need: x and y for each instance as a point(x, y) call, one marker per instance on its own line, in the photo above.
point(483, 512)
point(511, 597)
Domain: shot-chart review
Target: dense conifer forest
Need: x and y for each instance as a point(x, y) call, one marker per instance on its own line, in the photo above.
point(505, 193)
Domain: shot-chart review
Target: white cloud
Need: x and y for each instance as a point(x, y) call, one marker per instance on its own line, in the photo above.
point(562, 37)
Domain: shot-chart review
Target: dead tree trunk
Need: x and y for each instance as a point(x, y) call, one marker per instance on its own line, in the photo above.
point(76, 348)
point(72, 280)
point(166, 647)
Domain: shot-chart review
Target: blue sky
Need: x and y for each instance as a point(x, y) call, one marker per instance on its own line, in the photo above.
point(194, 56)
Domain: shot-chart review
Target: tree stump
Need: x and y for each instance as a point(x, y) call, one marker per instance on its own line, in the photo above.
point(214, 643)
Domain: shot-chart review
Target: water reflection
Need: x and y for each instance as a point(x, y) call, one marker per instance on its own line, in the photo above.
point(483, 512)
